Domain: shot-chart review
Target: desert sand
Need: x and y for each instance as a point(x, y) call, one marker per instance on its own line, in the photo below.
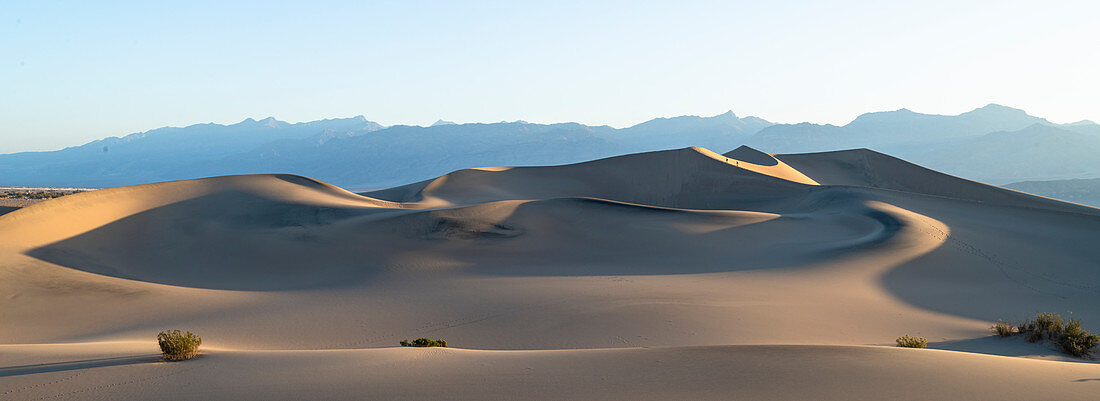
point(680, 274)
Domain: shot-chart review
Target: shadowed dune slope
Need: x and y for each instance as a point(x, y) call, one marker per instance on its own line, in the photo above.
point(750, 155)
point(690, 178)
point(268, 234)
point(867, 168)
point(71, 215)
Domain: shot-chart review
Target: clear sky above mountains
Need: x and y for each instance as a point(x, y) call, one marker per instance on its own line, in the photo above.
point(71, 72)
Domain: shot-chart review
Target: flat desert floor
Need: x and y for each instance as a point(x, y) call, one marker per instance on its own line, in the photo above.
point(680, 274)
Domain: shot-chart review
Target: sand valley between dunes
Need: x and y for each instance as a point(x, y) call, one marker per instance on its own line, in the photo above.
point(679, 274)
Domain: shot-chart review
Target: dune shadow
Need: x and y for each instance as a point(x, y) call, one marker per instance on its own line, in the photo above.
point(620, 238)
point(747, 154)
point(77, 365)
point(232, 240)
point(235, 240)
point(1011, 346)
point(987, 273)
point(8, 209)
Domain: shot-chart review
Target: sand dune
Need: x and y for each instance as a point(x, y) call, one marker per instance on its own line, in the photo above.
point(827, 254)
point(867, 168)
point(763, 163)
point(714, 372)
point(691, 178)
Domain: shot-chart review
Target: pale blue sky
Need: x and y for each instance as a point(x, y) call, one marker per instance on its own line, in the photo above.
point(75, 71)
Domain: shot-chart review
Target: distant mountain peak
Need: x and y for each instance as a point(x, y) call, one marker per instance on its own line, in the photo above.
point(877, 116)
point(728, 114)
point(269, 122)
point(994, 108)
point(989, 112)
point(1033, 128)
point(725, 119)
point(903, 110)
point(442, 122)
point(273, 123)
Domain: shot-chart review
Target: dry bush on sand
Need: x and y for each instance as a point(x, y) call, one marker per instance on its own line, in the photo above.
point(177, 346)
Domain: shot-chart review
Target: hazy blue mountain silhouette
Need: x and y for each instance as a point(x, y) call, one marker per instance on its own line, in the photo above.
point(719, 133)
point(1084, 127)
point(995, 144)
point(1036, 152)
point(891, 131)
point(161, 154)
point(356, 152)
point(402, 154)
point(1083, 191)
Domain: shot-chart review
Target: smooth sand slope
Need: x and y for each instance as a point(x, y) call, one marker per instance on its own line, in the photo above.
point(716, 260)
point(759, 372)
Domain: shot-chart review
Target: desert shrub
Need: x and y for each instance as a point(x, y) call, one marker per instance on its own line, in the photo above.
point(423, 342)
point(1070, 337)
point(1034, 336)
point(1003, 328)
point(912, 342)
point(177, 346)
point(1077, 341)
point(1049, 324)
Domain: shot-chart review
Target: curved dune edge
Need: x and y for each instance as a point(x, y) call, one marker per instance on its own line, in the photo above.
point(763, 163)
point(636, 178)
point(711, 372)
point(72, 215)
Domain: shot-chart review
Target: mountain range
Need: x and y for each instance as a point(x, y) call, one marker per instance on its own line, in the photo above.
point(1083, 191)
point(995, 144)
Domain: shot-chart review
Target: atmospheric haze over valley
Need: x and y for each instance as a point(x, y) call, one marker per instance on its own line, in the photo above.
point(994, 144)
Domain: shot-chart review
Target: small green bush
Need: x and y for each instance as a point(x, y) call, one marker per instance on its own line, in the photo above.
point(912, 342)
point(177, 346)
point(423, 342)
point(1003, 328)
point(1048, 323)
point(1068, 335)
point(1077, 341)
